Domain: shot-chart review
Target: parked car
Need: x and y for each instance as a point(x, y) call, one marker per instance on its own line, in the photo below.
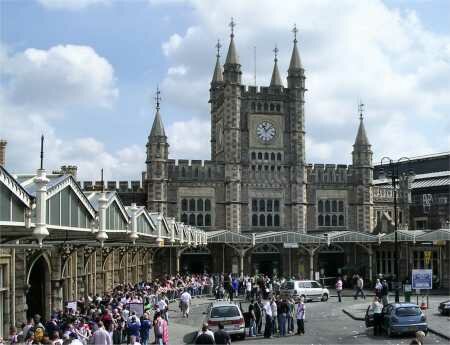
point(310, 289)
point(227, 313)
point(401, 318)
point(444, 307)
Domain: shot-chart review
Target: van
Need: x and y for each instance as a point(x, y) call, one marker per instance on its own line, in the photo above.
point(309, 289)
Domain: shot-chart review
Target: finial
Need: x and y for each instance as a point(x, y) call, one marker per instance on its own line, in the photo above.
point(295, 30)
point(157, 97)
point(275, 50)
point(42, 151)
point(218, 46)
point(232, 25)
point(103, 184)
point(361, 110)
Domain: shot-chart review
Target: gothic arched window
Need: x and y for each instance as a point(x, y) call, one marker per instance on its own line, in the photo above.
point(279, 157)
point(269, 220)
point(320, 218)
point(272, 156)
point(278, 107)
point(254, 220)
point(262, 205)
point(184, 205)
point(184, 218)
point(192, 205)
point(341, 220)
point(192, 219)
point(327, 206)
point(320, 205)
point(207, 205)
point(266, 155)
point(341, 206)
point(259, 155)
point(334, 206)
point(327, 220)
point(276, 205)
point(334, 221)
point(262, 220)
point(200, 219)
point(269, 205)
point(253, 155)
point(272, 107)
point(276, 219)
point(208, 220)
point(254, 205)
point(200, 205)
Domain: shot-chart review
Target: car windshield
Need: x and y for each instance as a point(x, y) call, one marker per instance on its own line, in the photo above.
point(288, 285)
point(225, 311)
point(407, 311)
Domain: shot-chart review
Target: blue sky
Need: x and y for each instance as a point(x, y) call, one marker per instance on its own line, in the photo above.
point(84, 73)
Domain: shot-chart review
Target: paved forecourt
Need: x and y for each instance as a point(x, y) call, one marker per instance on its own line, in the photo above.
point(325, 324)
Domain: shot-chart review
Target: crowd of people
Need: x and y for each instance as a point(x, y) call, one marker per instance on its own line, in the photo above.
point(131, 314)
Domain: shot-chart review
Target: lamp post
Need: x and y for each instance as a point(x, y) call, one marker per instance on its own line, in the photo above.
point(392, 167)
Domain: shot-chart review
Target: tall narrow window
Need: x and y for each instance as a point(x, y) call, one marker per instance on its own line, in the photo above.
point(184, 206)
point(200, 205)
point(254, 220)
point(207, 220)
point(192, 219)
point(276, 220)
point(200, 220)
point(262, 220)
point(192, 205)
point(207, 205)
point(254, 205)
point(269, 220)
point(262, 205)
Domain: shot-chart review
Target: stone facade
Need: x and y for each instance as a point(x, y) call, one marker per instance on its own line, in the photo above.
point(258, 163)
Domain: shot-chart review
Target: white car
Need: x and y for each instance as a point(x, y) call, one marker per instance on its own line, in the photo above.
point(309, 289)
point(228, 314)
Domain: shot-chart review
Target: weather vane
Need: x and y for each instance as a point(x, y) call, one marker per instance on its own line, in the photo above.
point(360, 110)
point(232, 25)
point(218, 46)
point(275, 50)
point(295, 30)
point(157, 97)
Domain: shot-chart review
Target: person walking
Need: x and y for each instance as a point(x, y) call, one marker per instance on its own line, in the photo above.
point(161, 330)
point(376, 308)
point(274, 307)
point(185, 302)
point(339, 286)
point(101, 336)
point(252, 321)
point(146, 325)
point(359, 288)
point(385, 292)
point(268, 327)
point(301, 316)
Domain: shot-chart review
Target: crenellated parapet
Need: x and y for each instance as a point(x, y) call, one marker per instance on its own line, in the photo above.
point(338, 174)
point(195, 170)
point(121, 186)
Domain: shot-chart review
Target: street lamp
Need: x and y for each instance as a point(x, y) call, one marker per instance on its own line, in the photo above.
point(392, 167)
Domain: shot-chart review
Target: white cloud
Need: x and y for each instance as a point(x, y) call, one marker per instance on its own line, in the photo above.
point(41, 85)
point(71, 4)
point(351, 50)
point(189, 139)
point(177, 70)
point(60, 76)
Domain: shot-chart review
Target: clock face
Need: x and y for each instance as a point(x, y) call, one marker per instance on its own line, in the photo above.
point(265, 131)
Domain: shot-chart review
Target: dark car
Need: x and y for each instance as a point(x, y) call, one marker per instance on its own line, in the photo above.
point(401, 318)
point(444, 307)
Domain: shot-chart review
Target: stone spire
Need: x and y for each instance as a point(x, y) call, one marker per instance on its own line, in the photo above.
point(361, 137)
point(276, 79)
point(295, 63)
point(158, 127)
point(232, 58)
point(217, 76)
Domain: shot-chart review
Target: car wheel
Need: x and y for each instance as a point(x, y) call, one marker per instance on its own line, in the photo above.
point(324, 297)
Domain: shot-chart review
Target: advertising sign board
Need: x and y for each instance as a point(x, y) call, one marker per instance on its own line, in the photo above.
point(422, 279)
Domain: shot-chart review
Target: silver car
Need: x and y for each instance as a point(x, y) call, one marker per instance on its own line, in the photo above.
point(227, 313)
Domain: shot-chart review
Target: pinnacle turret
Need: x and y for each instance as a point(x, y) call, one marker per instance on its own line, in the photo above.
point(232, 68)
point(232, 57)
point(158, 127)
point(276, 79)
point(295, 63)
point(218, 73)
point(361, 137)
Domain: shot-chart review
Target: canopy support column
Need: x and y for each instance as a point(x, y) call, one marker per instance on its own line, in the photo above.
point(311, 250)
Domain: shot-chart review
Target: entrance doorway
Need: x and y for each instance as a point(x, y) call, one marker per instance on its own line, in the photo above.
point(195, 260)
point(331, 260)
point(266, 260)
point(37, 294)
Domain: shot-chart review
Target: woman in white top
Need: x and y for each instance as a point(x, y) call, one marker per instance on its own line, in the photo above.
point(376, 308)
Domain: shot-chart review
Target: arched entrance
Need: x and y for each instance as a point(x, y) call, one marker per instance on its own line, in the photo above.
point(266, 259)
point(38, 294)
point(331, 260)
point(195, 260)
